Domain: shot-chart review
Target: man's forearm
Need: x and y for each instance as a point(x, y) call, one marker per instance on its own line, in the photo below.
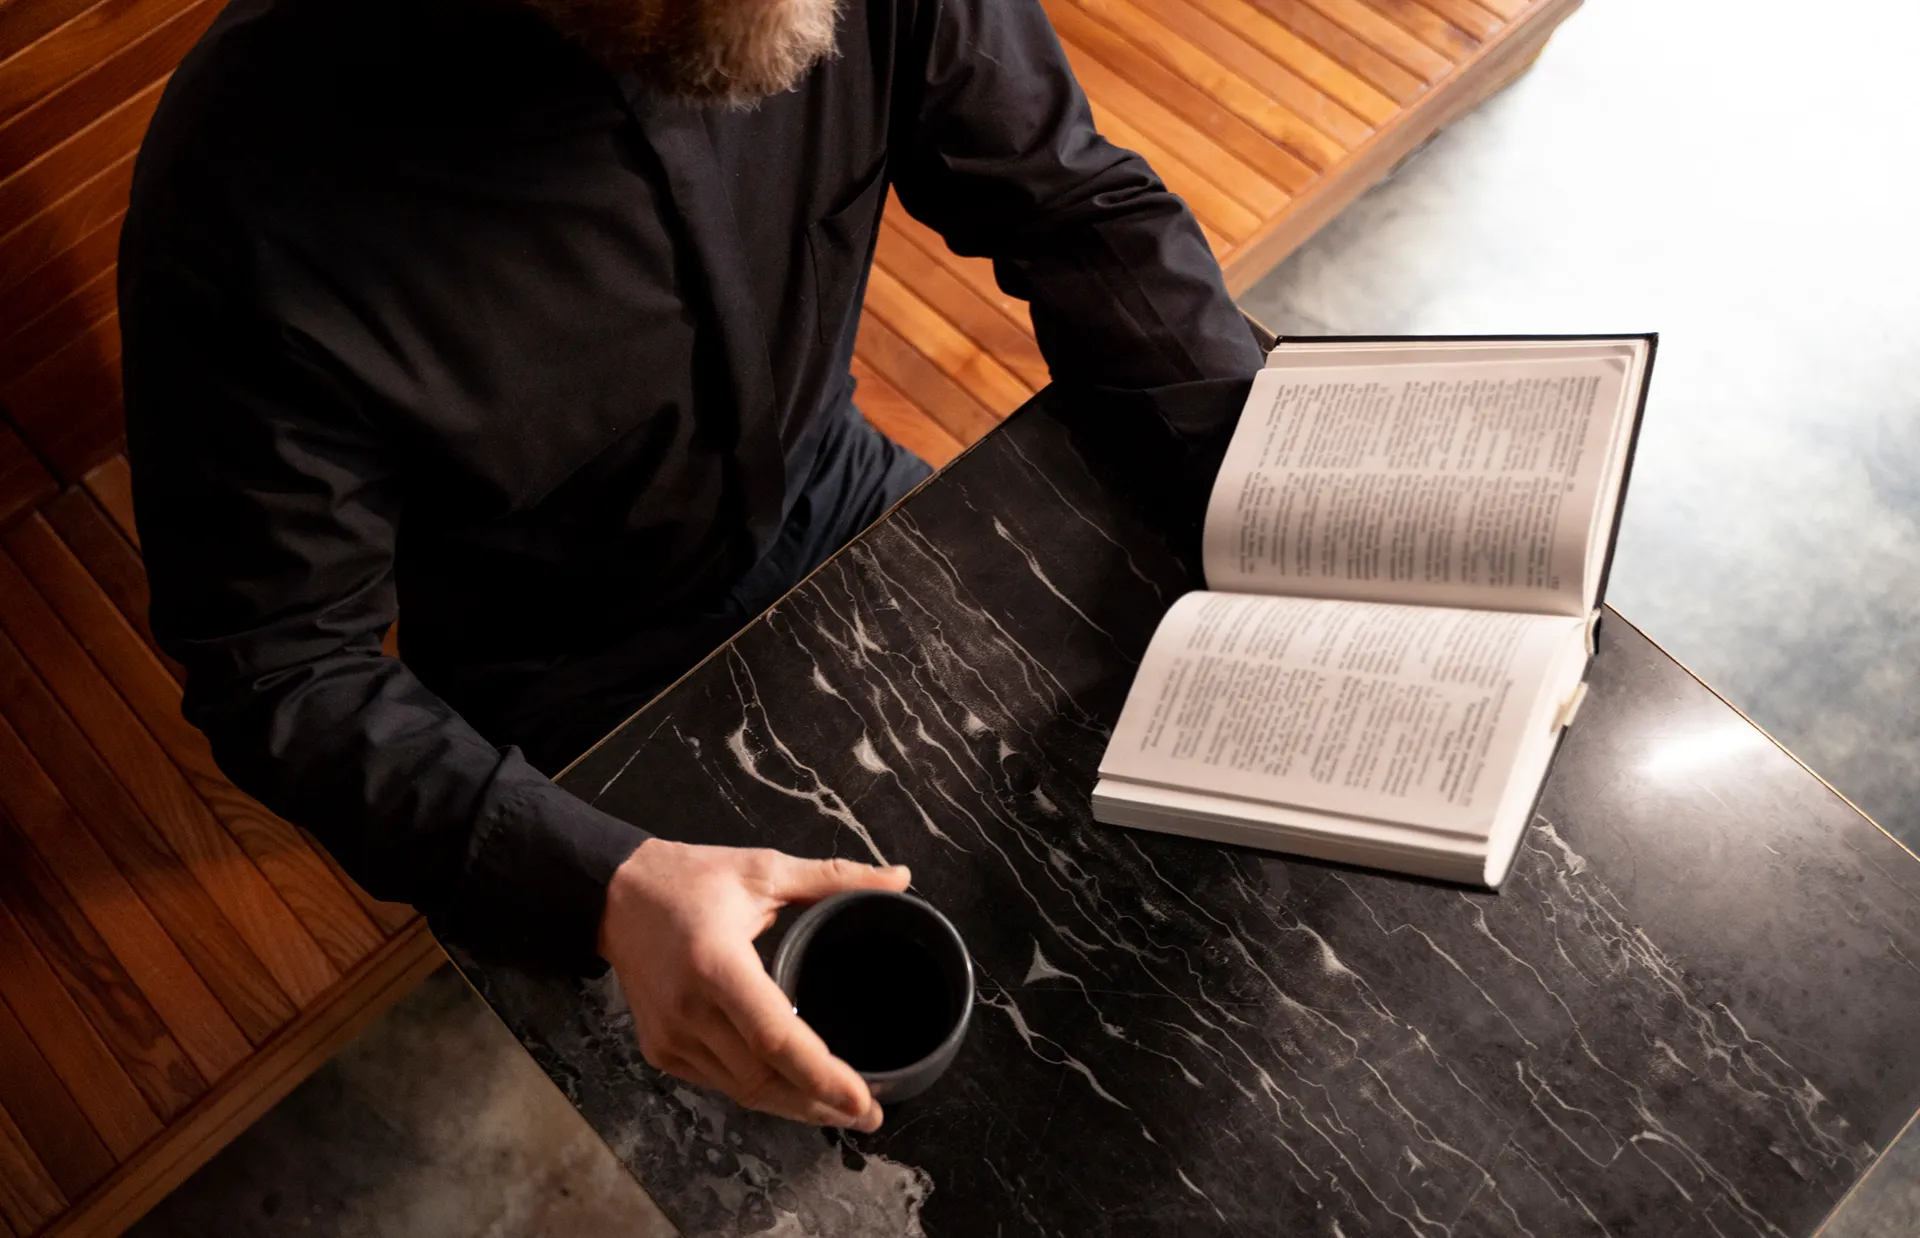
point(414, 803)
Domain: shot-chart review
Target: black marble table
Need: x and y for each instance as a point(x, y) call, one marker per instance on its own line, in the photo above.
point(1693, 1010)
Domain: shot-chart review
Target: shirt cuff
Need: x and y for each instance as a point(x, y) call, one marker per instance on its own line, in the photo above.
point(537, 882)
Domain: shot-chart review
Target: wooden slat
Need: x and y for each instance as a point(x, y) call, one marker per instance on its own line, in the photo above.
point(961, 305)
point(1248, 196)
point(106, 1093)
point(975, 273)
point(944, 400)
point(215, 996)
point(322, 904)
point(1392, 40)
point(59, 114)
point(1278, 166)
point(136, 1049)
point(111, 483)
point(28, 1196)
point(901, 419)
point(1282, 44)
point(1255, 85)
point(318, 1034)
point(958, 357)
point(69, 50)
point(26, 246)
point(1224, 221)
point(1506, 56)
point(55, 290)
point(109, 559)
point(68, 406)
point(21, 23)
point(248, 900)
point(26, 344)
point(26, 190)
point(1373, 66)
point(1476, 20)
point(44, 1110)
point(1429, 27)
point(24, 481)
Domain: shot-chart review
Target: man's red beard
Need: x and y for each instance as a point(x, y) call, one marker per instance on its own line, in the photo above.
point(732, 52)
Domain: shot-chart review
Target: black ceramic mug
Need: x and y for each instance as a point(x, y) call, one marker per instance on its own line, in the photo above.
point(886, 981)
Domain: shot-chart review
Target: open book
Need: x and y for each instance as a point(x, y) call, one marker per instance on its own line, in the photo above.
point(1405, 549)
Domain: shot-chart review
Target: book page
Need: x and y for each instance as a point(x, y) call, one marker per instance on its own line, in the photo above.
point(1474, 482)
point(1395, 713)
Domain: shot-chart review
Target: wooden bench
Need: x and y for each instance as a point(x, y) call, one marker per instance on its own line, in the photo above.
point(173, 959)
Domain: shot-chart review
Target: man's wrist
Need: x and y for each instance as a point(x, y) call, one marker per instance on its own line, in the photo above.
point(619, 885)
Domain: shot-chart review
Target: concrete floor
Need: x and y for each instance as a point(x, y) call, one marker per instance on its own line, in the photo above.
point(1738, 177)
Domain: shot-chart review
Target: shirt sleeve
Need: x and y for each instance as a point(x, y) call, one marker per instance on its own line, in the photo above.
point(268, 505)
point(996, 150)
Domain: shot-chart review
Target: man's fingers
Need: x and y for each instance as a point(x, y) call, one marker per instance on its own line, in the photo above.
point(793, 880)
point(696, 1066)
point(757, 1085)
point(774, 1034)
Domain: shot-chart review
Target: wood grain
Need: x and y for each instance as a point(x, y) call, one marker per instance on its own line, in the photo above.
point(957, 356)
point(29, 343)
point(249, 901)
point(901, 419)
point(1470, 16)
point(26, 246)
point(26, 189)
point(1502, 58)
point(56, 289)
point(962, 305)
point(24, 481)
point(28, 1195)
point(1428, 26)
point(23, 21)
point(148, 1057)
point(1395, 41)
point(321, 1031)
point(60, 113)
point(50, 766)
point(975, 272)
point(111, 484)
point(112, 563)
point(69, 405)
point(949, 405)
point(46, 1114)
point(1203, 172)
point(1285, 46)
point(54, 1021)
point(72, 48)
point(144, 917)
point(1264, 90)
point(322, 904)
point(1381, 71)
point(1093, 39)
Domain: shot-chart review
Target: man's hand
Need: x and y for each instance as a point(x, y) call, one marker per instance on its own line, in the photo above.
point(679, 929)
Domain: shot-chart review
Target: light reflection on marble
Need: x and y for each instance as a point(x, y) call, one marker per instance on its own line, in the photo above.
point(1690, 1011)
point(1741, 179)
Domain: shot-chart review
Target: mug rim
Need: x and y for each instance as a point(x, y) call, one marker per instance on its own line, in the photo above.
point(786, 970)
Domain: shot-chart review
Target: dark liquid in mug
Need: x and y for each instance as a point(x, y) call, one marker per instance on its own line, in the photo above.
point(881, 1001)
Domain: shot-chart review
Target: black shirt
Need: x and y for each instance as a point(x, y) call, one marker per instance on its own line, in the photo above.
point(423, 307)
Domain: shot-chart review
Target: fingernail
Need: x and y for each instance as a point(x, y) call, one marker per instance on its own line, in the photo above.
point(871, 1121)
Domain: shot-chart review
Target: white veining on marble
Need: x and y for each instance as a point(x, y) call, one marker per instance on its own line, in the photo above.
point(1204, 1040)
point(1033, 565)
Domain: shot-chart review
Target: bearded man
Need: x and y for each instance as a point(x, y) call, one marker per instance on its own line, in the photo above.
point(531, 320)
